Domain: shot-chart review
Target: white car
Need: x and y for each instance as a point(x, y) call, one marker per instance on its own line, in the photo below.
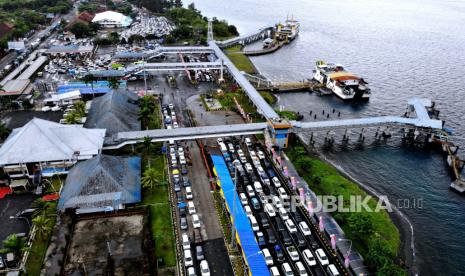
point(240, 152)
point(304, 228)
point(195, 221)
point(248, 167)
point(301, 269)
point(231, 147)
point(181, 151)
point(243, 159)
point(308, 257)
point(182, 160)
point(247, 210)
point(191, 271)
point(260, 154)
point(204, 269)
point(186, 244)
point(268, 258)
point(258, 187)
point(191, 207)
point(243, 198)
point(290, 226)
point(189, 194)
point(252, 153)
point(175, 125)
point(276, 182)
point(260, 170)
point(188, 258)
point(219, 140)
point(287, 269)
point(293, 253)
point(250, 191)
point(321, 256)
point(283, 213)
point(248, 142)
point(274, 271)
point(269, 209)
point(277, 202)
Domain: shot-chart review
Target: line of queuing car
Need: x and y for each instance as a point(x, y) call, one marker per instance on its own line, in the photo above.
point(283, 235)
point(186, 207)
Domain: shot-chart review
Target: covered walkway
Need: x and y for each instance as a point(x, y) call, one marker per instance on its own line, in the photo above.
point(244, 233)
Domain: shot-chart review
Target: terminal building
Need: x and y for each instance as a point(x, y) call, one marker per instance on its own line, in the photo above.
point(111, 19)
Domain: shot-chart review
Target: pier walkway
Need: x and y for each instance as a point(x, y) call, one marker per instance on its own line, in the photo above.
point(245, 39)
point(162, 50)
point(157, 135)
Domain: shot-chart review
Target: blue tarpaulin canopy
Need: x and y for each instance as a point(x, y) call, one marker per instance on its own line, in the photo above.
point(252, 253)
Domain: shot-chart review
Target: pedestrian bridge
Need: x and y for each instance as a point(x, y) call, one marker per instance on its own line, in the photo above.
point(423, 121)
point(247, 38)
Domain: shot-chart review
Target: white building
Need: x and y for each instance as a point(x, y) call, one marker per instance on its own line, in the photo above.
point(111, 19)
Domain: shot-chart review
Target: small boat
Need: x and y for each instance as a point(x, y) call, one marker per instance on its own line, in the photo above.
point(343, 84)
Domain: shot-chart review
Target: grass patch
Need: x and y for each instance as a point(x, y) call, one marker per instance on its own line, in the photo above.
point(374, 235)
point(290, 115)
point(157, 200)
point(241, 61)
point(39, 247)
point(269, 97)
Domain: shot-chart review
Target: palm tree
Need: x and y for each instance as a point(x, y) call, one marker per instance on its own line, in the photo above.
point(89, 78)
point(150, 178)
point(42, 224)
point(15, 244)
point(42, 207)
point(72, 118)
point(80, 108)
point(147, 148)
point(4, 131)
point(144, 116)
point(113, 83)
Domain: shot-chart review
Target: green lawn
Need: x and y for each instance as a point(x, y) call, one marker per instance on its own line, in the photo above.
point(374, 235)
point(241, 61)
point(157, 198)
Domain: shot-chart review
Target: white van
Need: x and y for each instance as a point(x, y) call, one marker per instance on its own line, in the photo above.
point(258, 187)
point(191, 207)
point(247, 210)
point(253, 223)
point(332, 270)
point(186, 244)
point(250, 191)
point(189, 194)
point(268, 258)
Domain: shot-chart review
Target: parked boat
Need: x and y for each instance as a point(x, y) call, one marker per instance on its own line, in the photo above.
point(345, 85)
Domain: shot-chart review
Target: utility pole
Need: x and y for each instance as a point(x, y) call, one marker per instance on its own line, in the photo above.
point(145, 76)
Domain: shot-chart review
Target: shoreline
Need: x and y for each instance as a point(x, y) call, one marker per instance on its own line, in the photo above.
point(407, 251)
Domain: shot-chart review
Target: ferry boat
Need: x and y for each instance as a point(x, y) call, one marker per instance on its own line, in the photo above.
point(345, 85)
point(287, 31)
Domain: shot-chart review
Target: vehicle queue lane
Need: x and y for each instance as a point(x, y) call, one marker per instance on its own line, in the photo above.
point(254, 176)
point(323, 244)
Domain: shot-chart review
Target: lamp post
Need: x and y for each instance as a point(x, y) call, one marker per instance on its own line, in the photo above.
point(346, 257)
point(28, 223)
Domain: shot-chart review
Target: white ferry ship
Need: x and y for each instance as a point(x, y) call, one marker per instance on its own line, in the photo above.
point(288, 31)
point(345, 85)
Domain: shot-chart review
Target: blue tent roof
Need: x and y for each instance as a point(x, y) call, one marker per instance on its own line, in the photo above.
point(255, 260)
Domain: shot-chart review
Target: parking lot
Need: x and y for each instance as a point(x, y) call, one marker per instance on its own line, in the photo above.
point(283, 234)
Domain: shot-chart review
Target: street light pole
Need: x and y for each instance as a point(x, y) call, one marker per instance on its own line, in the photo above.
point(145, 77)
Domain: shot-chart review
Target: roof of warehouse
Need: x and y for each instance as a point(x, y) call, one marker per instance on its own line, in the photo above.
point(42, 140)
point(16, 87)
point(102, 181)
point(116, 111)
point(255, 260)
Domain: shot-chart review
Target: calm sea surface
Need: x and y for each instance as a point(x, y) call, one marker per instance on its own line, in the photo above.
point(403, 49)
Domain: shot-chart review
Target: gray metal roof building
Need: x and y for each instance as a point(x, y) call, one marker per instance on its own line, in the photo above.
point(116, 111)
point(103, 183)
